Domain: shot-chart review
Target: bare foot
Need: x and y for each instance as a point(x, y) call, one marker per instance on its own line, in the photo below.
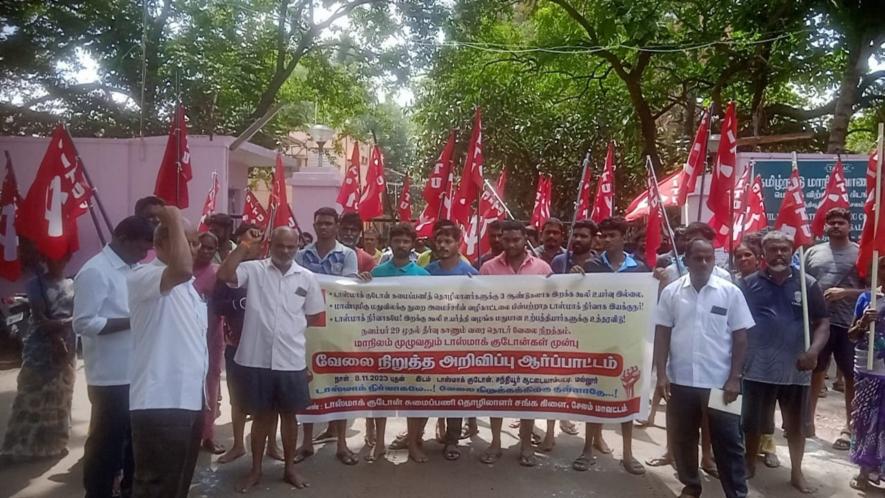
point(601, 445)
point(248, 482)
point(275, 452)
point(491, 455)
point(548, 444)
point(232, 454)
point(416, 453)
point(295, 479)
point(799, 482)
point(303, 454)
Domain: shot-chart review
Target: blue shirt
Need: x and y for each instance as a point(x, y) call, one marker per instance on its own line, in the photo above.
point(340, 261)
point(462, 268)
point(601, 264)
point(391, 270)
point(778, 337)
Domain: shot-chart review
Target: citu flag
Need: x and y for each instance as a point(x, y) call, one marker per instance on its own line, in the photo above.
point(253, 212)
point(278, 205)
point(835, 196)
point(872, 236)
point(10, 266)
point(694, 165)
point(653, 227)
point(175, 170)
point(792, 219)
point(668, 189)
point(721, 198)
point(582, 210)
point(404, 206)
point(349, 194)
point(541, 211)
point(209, 205)
point(436, 189)
point(471, 183)
point(58, 196)
point(372, 200)
point(740, 199)
point(604, 204)
point(491, 210)
point(753, 218)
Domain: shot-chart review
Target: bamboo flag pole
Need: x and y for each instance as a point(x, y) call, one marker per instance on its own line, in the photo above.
point(803, 287)
point(654, 177)
point(874, 274)
point(568, 247)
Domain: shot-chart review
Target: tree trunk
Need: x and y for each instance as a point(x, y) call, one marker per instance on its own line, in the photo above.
point(646, 121)
point(855, 67)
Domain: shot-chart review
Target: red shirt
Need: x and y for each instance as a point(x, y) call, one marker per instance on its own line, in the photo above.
point(531, 265)
point(364, 260)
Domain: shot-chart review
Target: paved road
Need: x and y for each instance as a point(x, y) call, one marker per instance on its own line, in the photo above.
point(827, 469)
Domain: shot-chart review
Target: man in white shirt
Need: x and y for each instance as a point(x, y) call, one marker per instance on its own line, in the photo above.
point(701, 344)
point(283, 298)
point(169, 363)
point(101, 320)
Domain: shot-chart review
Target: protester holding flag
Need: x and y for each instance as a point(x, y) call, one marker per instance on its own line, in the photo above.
point(40, 420)
point(778, 368)
point(349, 234)
point(101, 320)
point(169, 363)
point(868, 410)
point(832, 263)
point(282, 299)
point(615, 260)
point(581, 253)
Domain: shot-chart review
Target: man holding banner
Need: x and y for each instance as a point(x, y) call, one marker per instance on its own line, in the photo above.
point(778, 367)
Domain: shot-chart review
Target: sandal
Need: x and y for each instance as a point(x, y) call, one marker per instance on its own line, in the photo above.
point(302, 455)
point(568, 427)
point(843, 442)
point(633, 466)
point(528, 460)
point(659, 462)
point(583, 463)
point(489, 457)
point(451, 453)
point(857, 483)
point(771, 460)
point(401, 442)
point(347, 458)
point(711, 471)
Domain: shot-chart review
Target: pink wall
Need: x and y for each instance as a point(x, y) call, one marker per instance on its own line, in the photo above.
point(124, 170)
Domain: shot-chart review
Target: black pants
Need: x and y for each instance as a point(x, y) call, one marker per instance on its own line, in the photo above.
point(166, 444)
point(109, 444)
point(684, 413)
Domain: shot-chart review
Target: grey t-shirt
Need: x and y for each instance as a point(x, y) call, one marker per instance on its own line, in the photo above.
point(835, 269)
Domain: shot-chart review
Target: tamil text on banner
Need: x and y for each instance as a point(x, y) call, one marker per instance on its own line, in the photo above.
point(566, 347)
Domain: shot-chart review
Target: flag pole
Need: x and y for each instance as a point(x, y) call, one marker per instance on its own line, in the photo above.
point(569, 252)
point(654, 177)
point(874, 274)
point(704, 167)
point(803, 287)
point(506, 209)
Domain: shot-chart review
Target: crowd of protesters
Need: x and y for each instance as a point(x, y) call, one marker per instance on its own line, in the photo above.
point(162, 310)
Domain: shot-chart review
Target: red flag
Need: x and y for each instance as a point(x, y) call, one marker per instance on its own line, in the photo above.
point(582, 211)
point(253, 211)
point(349, 194)
point(603, 207)
point(754, 218)
point(653, 227)
point(792, 218)
point(57, 197)
point(278, 205)
point(871, 237)
point(723, 183)
point(436, 190)
point(404, 208)
point(740, 206)
point(175, 170)
point(695, 163)
point(541, 212)
point(835, 195)
point(209, 205)
point(668, 188)
point(491, 210)
point(372, 201)
point(10, 266)
point(471, 183)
